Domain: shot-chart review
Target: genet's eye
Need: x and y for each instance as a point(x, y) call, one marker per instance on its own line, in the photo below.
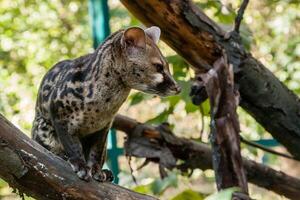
point(159, 67)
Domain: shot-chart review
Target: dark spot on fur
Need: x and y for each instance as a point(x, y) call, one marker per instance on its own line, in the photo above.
point(79, 90)
point(44, 135)
point(107, 74)
point(69, 108)
point(97, 110)
point(121, 80)
point(90, 91)
point(47, 87)
point(73, 103)
point(118, 73)
point(54, 94)
point(76, 109)
point(107, 99)
point(44, 128)
point(78, 76)
point(59, 104)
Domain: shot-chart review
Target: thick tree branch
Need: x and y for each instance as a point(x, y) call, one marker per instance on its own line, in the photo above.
point(33, 170)
point(200, 41)
point(146, 141)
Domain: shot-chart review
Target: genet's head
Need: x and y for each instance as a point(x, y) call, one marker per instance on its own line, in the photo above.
point(148, 70)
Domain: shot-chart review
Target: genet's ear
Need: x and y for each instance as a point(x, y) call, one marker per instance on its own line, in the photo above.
point(134, 37)
point(154, 33)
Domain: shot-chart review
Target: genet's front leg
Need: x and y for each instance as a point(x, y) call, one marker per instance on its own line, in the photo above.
point(73, 149)
point(97, 157)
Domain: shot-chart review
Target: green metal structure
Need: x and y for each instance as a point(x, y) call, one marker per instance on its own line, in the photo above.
point(99, 13)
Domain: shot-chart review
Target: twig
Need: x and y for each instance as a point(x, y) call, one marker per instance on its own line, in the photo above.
point(239, 16)
point(253, 144)
point(202, 121)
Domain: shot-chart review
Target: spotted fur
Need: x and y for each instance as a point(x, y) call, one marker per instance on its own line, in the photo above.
point(78, 99)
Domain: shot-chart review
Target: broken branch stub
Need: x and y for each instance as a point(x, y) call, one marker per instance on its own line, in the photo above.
point(225, 139)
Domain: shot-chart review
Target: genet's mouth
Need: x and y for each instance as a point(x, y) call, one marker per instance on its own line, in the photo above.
point(163, 93)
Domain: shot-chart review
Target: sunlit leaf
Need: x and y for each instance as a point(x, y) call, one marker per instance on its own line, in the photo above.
point(189, 195)
point(162, 117)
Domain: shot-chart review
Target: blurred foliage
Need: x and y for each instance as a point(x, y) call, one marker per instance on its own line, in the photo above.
point(34, 35)
point(225, 194)
point(158, 186)
point(189, 195)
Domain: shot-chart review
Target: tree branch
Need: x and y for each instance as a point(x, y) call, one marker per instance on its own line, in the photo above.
point(154, 143)
point(33, 170)
point(240, 15)
point(199, 40)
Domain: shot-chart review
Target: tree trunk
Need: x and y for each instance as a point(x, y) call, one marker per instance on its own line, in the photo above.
point(150, 142)
point(200, 41)
point(33, 170)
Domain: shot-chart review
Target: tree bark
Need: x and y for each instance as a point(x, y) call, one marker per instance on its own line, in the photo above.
point(33, 170)
point(200, 41)
point(224, 126)
point(146, 141)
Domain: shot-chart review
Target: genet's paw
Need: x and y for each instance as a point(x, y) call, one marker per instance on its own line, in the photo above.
point(80, 168)
point(83, 174)
point(101, 175)
point(104, 175)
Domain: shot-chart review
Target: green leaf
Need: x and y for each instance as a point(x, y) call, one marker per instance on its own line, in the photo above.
point(2, 183)
point(162, 117)
point(190, 107)
point(185, 90)
point(206, 108)
point(144, 189)
point(225, 194)
point(179, 66)
point(189, 195)
point(173, 100)
point(136, 98)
